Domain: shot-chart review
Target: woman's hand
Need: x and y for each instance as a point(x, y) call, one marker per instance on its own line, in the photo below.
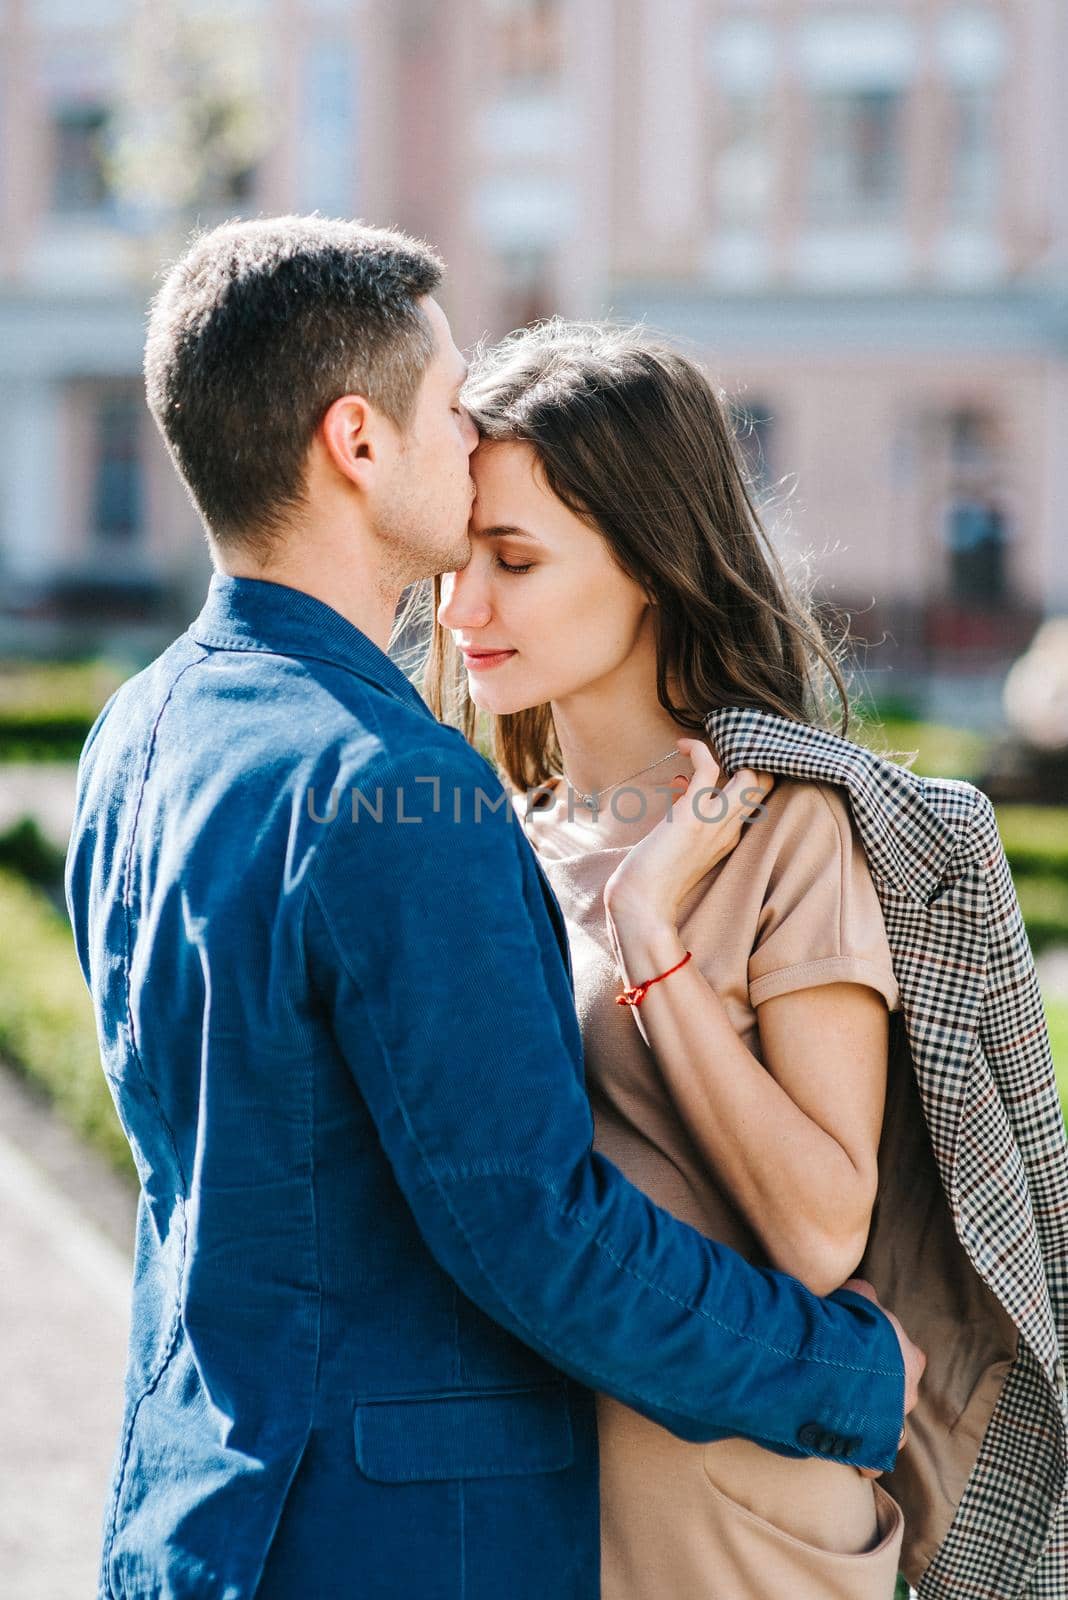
point(700, 829)
point(915, 1362)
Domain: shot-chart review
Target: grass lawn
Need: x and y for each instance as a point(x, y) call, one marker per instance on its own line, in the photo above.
point(1057, 1020)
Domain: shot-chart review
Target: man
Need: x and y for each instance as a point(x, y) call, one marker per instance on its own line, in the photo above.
point(378, 1268)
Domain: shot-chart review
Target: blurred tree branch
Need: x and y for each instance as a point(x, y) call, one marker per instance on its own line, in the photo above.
point(190, 122)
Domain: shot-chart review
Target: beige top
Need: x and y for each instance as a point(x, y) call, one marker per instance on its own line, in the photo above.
point(792, 906)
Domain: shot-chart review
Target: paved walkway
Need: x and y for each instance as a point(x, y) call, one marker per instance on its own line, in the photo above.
point(63, 1326)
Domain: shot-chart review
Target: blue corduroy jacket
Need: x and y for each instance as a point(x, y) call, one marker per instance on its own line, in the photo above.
point(379, 1268)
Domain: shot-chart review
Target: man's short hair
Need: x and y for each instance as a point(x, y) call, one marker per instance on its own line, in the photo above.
point(256, 331)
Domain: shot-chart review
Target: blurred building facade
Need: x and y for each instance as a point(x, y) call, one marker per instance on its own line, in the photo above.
point(850, 212)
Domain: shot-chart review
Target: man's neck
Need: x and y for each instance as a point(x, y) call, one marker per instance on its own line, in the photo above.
point(366, 605)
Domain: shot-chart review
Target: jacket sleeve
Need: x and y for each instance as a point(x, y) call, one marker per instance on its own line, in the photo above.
point(1016, 1044)
point(425, 950)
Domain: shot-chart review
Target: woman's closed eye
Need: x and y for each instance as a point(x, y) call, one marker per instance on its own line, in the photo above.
point(507, 568)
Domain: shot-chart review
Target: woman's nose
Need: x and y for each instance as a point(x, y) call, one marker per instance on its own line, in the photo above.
point(462, 606)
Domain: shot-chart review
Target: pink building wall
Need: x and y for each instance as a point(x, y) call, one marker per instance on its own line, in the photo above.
point(574, 157)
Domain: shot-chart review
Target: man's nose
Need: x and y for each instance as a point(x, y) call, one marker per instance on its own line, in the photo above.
point(463, 600)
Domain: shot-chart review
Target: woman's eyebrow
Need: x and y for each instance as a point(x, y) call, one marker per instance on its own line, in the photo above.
point(505, 530)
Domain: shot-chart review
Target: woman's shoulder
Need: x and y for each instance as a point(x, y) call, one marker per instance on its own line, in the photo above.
point(801, 811)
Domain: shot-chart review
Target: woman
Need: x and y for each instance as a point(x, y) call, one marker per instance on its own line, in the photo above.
point(620, 586)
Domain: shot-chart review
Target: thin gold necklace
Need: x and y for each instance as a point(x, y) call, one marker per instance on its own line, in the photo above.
point(591, 801)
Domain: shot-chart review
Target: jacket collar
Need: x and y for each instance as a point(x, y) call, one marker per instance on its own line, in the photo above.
point(252, 614)
point(904, 837)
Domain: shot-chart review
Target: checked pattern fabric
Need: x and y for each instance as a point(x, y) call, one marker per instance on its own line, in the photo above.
point(984, 1072)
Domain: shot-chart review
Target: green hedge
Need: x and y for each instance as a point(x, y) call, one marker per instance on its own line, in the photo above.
point(25, 850)
point(1036, 846)
point(42, 738)
point(1057, 1019)
point(1035, 839)
point(1044, 903)
point(47, 708)
point(47, 1030)
point(940, 752)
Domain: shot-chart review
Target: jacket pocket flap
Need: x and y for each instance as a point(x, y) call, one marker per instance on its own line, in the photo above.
point(475, 1434)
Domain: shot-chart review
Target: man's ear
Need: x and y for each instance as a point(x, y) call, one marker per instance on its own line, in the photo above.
point(352, 435)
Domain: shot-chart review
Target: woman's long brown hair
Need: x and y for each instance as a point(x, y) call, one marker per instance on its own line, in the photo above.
point(631, 436)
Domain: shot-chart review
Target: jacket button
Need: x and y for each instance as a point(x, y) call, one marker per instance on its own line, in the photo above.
point(1058, 1373)
point(815, 1437)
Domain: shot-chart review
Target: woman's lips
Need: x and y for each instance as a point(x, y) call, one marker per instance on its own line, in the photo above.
point(476, 661)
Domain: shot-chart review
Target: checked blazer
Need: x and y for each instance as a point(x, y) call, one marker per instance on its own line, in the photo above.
point(969, 1244)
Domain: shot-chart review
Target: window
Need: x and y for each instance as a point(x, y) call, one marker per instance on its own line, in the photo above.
point(744, 171)
point(63, 14)
point(79, 174)
point(857, 166)
point(530, 42)
point(116, 488)
point(975, 536)
point(741, 62)
point(971, 54)
point(527, 293)
point(327, 153)
point(973, 154)
point(971, 441)
point(975, 529)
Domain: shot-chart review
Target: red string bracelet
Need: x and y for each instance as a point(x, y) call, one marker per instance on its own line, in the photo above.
point(635, 996)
